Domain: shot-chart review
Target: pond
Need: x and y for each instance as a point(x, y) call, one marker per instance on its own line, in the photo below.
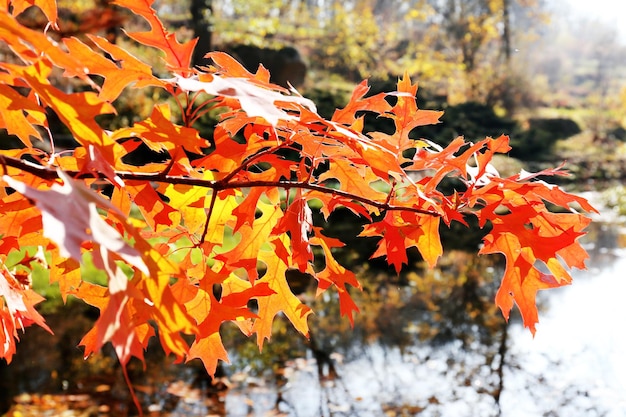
point(429, 343)
point(574, 366)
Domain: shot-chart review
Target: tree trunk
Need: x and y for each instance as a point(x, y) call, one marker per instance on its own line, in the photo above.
point(5, 389)
point(506, 31)
point(201, 12)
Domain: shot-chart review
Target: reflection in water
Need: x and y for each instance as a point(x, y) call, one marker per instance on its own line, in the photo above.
point(576, 366)
point(428, 343)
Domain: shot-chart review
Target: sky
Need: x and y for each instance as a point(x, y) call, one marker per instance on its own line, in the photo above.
point(613, 12)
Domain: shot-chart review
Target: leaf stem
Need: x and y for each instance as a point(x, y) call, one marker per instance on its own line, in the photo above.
point(208, 217)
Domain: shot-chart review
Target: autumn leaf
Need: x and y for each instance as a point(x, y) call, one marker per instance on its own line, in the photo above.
point(336, 274)
point(17, 311)
point(298, 222)
point(252, 237)
point(66, 272)
point(85, 224)
point(115, 324)
point(20, 224)
point(157, 213)
point(401, 231)
point(211, 313)
point(131, 71)
point(160, 134)
point(406, 117)
point(281, 300)
point(48, 7)
point(255, 100)
point(528, 236)
point(15, 110)
point(356, 178)
point(210, 350)
point(177, 55)
point(32, 47)
point(358, 102)
point(78, 111)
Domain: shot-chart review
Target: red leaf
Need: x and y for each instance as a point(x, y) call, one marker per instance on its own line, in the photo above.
point(401, 231)
point(298, 222)
point(335, 274)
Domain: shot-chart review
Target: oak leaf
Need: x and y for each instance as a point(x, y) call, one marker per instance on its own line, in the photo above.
point(17, 311)
point(15, 112)
point(254, 99)
point(177, 55)
point(84, 224)
point(48, 7)
point(281, 300)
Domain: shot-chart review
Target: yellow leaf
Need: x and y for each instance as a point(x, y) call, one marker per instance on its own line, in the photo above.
point(78, 111)
point(283, 300)
point(191, 202)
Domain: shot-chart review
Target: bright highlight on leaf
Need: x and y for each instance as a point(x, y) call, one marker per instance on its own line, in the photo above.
point(211, 229)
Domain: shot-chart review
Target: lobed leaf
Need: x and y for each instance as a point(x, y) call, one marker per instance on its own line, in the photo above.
point(177, 55)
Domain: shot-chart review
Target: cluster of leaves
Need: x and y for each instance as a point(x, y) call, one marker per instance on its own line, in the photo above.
point(208, 235)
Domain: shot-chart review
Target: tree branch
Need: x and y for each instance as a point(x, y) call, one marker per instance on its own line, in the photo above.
point(49, 173)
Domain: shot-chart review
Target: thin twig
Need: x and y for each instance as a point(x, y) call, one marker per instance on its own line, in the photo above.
point(208, 217)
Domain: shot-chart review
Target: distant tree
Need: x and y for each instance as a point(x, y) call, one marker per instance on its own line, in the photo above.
point(482, 32)
point(202, 25)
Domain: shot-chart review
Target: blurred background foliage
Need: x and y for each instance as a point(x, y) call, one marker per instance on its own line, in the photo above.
point(494, 66)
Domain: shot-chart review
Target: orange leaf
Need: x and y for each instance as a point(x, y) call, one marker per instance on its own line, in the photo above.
point(32, 46)
point(67, 274)
point(247, 251)
point(354, 177)
point(402, 230)
point(132, 71)
point(210, 351)
point(78, 111)
point(159, 133)
point(12, 114)
point(48, 7)
point(177, 55)
point(85, 224)
point(376, 103)
point(156, 212)
point(298, 222)
point(407, 116)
